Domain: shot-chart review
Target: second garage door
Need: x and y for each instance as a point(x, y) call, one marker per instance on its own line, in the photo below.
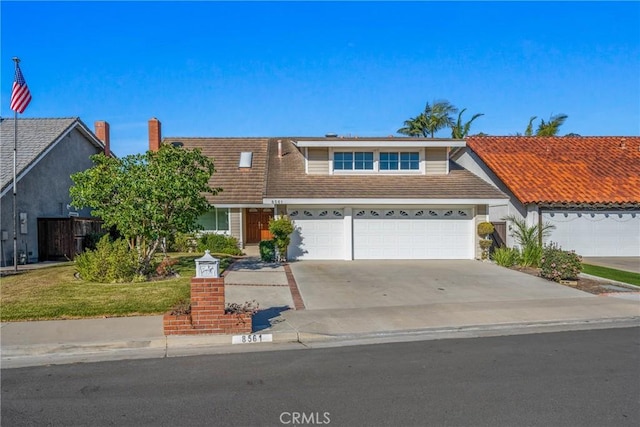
point(413, 234)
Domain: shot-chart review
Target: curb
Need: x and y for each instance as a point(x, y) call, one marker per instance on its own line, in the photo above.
point(176, 346)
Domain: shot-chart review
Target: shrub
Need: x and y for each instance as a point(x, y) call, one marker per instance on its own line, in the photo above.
point(485, 244)
point(90, 241)
point(485, 228)
point(528, 237)
point(557, 264)
point(267, 250)
point(111, 261)
point(281, 228)
point(506, 257)
point(219, 243)
point(165, 268)
point(183, 242)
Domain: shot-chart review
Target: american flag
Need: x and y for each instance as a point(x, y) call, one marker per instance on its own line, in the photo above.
point(20, 96)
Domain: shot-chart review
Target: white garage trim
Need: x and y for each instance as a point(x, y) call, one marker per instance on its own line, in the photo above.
point(596, 233)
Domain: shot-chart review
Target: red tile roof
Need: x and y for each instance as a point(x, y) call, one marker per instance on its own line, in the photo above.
point(541, 170)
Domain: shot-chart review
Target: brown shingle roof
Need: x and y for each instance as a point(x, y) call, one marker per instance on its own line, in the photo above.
point(287, 179)
point(239, 186)
point(589, 170)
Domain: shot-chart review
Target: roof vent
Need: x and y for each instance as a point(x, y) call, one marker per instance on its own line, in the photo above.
point(331, 135)
point(245, 159)
point(177, 144)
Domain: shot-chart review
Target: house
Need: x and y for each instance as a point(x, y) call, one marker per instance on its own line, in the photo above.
point(349, 198)
point(48, 151)
point(587, 187)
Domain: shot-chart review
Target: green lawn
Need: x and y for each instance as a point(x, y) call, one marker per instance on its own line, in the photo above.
point(54, 293)
point(612, 274)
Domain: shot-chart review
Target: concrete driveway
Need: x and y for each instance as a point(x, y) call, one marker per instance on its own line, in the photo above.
point(363, 284)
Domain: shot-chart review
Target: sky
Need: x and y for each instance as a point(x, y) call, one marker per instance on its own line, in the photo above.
point(215, 69)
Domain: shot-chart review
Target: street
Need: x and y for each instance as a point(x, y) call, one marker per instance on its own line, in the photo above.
point(583, 378)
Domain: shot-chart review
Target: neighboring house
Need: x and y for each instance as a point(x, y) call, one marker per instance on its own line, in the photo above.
point(349, 198)
point(587, 187)
point(48, 152)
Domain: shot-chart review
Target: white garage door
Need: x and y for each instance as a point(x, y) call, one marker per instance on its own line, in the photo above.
point(596, 233)
point(413, 234)
point(319, 234)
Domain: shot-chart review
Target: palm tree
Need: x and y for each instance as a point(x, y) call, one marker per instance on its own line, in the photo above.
point(550, 128)
point(460, 131)
point(430, 121)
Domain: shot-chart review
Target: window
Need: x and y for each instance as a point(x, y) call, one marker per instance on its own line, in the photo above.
point(359, 160)
point(399, 161)
point(215, 220)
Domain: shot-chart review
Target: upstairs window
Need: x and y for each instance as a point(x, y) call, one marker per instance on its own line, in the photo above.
point(359, 160)
point(399, 161)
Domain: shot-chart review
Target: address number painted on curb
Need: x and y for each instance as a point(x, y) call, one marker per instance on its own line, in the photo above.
point(251, 338)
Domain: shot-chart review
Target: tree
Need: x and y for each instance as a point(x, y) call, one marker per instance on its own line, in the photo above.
point(430, 121)
point(459, 130)
point(148, 197)
point(550, 128)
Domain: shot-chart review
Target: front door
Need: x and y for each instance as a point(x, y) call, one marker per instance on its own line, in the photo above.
point(258, 225)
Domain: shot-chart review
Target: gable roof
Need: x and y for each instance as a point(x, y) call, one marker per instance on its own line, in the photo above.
point(286, 179)
point(239, 185)
point(564, 170)
point(35, 138)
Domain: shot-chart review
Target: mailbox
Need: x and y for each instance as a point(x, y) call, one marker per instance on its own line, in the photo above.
point(207, 266)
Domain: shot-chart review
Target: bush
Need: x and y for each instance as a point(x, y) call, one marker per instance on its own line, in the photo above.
point(219, 244)
point(281, 228)
point(110, 262)
point(183, 242)
point(90, 241)
point(557, 264)
point(506, 257)
point(485, 228)
point(485, 244)
point(267, 250)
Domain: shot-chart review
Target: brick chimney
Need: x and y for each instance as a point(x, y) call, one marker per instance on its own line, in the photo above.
point(155, 134)
point(102, 132)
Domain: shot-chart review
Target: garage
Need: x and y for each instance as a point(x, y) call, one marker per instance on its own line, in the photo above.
point(591, 233)
point(413, 234)
point(318, 234)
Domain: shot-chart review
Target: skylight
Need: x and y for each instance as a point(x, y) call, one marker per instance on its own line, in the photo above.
point(245, 159)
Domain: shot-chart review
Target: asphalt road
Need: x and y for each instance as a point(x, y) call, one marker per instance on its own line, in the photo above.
point(584, 378)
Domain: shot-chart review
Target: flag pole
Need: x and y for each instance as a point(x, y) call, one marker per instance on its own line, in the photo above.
point(15, 188)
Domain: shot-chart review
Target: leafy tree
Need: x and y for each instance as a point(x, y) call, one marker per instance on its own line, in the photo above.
point(434, 118)
point(148, 197)
point(281, 228)
point(550, 128)
point(459, 130)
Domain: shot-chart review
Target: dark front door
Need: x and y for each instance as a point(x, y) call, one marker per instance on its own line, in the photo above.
point(258, 225)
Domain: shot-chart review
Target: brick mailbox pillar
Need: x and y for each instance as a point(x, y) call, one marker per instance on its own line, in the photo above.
point(207, 310)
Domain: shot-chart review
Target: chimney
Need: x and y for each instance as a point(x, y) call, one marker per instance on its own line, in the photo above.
point(102, 132)
point(155, 135)
point(279, 148)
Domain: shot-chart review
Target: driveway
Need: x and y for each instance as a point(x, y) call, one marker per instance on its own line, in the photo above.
point(362, 284)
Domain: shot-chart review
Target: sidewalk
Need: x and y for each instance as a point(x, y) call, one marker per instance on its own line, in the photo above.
point(70, 341)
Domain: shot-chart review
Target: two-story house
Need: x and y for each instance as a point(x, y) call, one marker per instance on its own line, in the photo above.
point(349, 198)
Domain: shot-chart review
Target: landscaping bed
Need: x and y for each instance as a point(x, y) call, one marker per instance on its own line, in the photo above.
point(587, 284)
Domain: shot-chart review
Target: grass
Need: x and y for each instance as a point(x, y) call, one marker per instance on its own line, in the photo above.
point(612, 274)
point(54, 293)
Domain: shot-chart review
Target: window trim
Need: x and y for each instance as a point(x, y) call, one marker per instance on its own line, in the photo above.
point(217, 229)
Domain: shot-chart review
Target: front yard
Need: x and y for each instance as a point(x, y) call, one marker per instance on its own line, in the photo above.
point(54, 293)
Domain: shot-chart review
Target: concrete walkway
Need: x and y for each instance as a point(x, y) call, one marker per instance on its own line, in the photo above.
point(323, 324)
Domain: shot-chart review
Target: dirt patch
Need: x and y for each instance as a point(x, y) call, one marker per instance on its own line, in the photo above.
point(586, 284)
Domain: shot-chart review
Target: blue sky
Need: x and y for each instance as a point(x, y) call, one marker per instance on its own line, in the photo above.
point(310, 68)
